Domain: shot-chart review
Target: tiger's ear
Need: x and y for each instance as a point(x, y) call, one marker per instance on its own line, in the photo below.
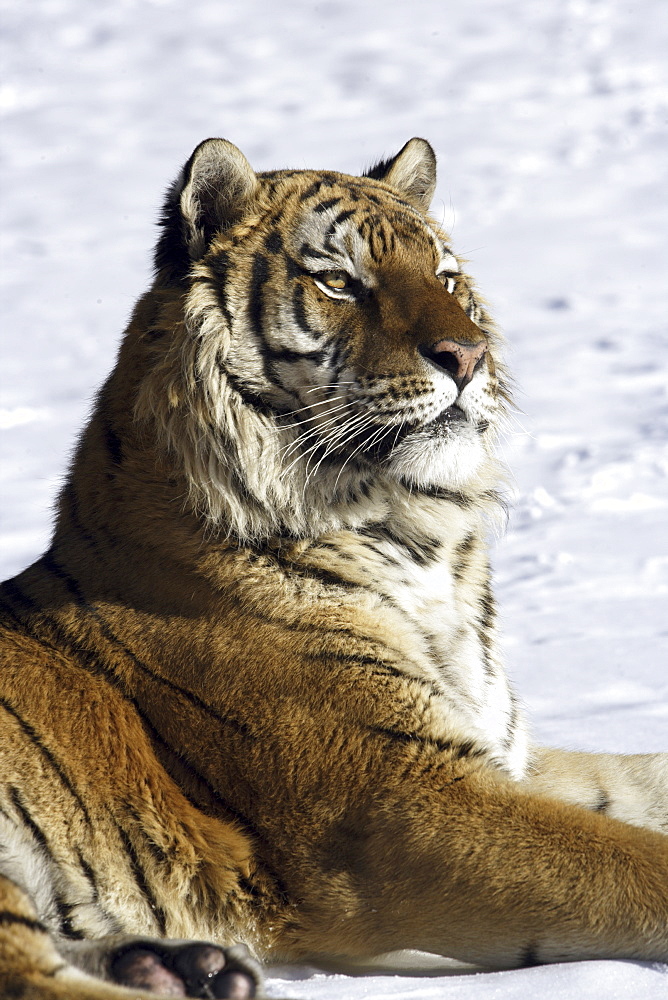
point(412, 172)
point(213, 191)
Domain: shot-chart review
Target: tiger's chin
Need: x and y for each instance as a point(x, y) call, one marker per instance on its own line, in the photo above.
point(431, 458)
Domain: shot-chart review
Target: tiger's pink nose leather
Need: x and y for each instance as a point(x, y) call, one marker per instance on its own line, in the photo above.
point(459, 360)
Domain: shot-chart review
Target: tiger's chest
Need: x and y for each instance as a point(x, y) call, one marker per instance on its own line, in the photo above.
point(434, 601)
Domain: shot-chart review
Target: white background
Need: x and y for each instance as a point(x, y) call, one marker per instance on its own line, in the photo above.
point(550, 121)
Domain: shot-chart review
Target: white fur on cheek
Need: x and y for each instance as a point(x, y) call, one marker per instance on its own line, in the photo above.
point(476, 400)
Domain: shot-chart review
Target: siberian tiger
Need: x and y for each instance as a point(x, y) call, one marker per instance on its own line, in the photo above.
point(252, 692)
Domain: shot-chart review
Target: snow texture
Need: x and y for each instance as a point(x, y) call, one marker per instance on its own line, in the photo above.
point(550, 123)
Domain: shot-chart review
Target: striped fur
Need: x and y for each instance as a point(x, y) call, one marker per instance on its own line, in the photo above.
point(252, 691)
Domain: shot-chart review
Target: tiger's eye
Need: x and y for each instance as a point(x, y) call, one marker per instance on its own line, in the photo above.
point(337, 280)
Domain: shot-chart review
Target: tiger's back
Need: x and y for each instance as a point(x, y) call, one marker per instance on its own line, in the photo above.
point(252, 692)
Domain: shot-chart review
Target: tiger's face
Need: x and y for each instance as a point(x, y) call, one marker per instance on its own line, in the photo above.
point(331, 309)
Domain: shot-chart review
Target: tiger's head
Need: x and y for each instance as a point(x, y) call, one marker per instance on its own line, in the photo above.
point(331, 353)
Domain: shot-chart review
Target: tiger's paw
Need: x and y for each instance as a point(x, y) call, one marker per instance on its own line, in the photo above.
point(187, 969)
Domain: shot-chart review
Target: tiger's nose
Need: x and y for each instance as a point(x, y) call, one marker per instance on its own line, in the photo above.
point(459, 360)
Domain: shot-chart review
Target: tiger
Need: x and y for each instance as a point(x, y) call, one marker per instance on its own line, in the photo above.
point(253, 707)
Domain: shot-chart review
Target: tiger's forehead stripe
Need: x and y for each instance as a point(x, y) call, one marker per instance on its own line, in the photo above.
point(379, 220)
point(327, 188)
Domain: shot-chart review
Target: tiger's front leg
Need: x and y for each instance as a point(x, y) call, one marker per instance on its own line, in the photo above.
point(476, 868)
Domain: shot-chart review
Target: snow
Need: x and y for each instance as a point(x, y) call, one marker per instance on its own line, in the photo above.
point(550, 123)
point(612, 980)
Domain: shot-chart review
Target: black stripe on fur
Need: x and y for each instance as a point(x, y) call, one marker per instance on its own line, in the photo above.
point(32, 735)
point(139, 876)
point(8, 919)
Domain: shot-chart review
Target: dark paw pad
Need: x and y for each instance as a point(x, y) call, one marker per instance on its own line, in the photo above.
point(144, 970)
point(187, 969)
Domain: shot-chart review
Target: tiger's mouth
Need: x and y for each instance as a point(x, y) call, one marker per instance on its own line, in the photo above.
point(450, 415)
point(453, 415)
point(376, 441)
point(448, 422)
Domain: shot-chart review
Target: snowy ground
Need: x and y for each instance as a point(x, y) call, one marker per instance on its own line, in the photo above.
point(550, 121)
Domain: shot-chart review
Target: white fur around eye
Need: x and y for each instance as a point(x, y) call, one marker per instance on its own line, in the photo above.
point(447, 279)
point(447, 271)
